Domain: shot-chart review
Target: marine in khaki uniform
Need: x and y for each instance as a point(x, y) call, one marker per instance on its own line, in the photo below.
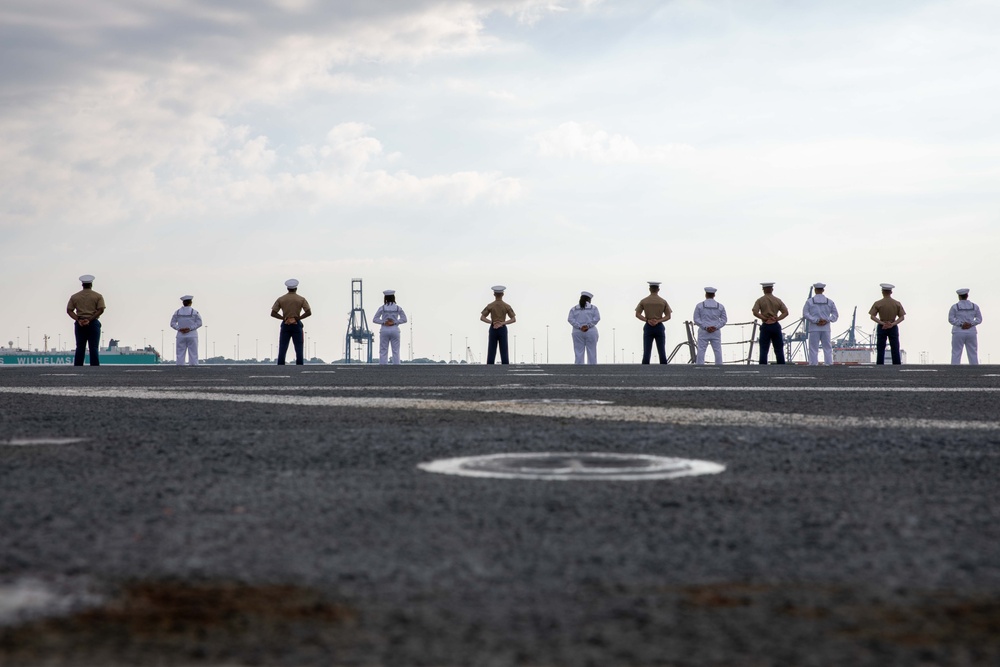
point(498, 315)
point(86, 307)
point(887, 313)
point(291, 309)
point(770, 310)
point(186, 321)
point(653, 311)
point(964, 317)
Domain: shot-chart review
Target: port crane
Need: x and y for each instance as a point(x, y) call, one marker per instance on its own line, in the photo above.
point(357, 325)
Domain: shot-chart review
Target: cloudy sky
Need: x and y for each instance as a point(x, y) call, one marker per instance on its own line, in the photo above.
point(439, 148)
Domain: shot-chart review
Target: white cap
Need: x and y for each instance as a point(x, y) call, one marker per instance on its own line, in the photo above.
point(710, 290)
point(291, 283)
point(887, 286)
point(187, 297)
point(962, 292)
point(767, 284)
point(587, 294)
point(819, 285)
point(653, 283)
point(498, 288)
point(388, 292)
point(86, 278)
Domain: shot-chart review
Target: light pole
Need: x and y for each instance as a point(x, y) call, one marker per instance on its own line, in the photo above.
point(533, 359)
point(29, 338)
point(546, 343)
point(451, 349)
point(237, 347)
point(613, 344)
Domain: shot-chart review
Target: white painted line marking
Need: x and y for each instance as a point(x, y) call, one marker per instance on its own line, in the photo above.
point(918, 370)
point(30, 442)
point(143, 370)
point(269, 376)
point(563, 467)
point(59, 375)
point(553, 401)
point(681, 388)
point(330, 372)
point(794, 377)
point(618, 413)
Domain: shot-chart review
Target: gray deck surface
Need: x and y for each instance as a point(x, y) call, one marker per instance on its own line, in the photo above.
point(249, 515)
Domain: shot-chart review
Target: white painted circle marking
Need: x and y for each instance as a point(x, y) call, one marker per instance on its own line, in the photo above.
point(30, 598)
point(559, 466)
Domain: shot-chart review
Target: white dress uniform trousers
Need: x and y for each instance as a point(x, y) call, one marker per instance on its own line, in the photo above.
point(186, 317)
point(967, 339)
point(584, 342)
point(820, 307)
point(389, 335)
point(709, 313)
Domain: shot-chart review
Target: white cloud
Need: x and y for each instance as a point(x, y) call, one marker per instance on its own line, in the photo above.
point(585, 141)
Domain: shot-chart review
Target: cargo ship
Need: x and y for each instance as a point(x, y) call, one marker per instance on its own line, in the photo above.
point(112, 354)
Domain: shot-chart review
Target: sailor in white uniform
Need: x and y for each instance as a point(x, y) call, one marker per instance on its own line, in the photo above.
point(584, 317)
point(390, 316)
point(964, 317)
point(710, 317)
point(186, 321)
point(819, 311)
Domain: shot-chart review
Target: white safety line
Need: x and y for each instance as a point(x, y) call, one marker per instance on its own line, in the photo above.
point(28, 442)
point(354, 388)
point(620, 413)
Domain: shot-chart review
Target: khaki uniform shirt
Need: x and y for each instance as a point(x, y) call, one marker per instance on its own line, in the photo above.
point(887, 309)
point(653, 307)
point(291, 305)
point(767, 307)
point(86, 303)
point(498, 311)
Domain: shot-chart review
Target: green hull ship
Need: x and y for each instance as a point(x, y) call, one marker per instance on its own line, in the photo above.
point(110, 355)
